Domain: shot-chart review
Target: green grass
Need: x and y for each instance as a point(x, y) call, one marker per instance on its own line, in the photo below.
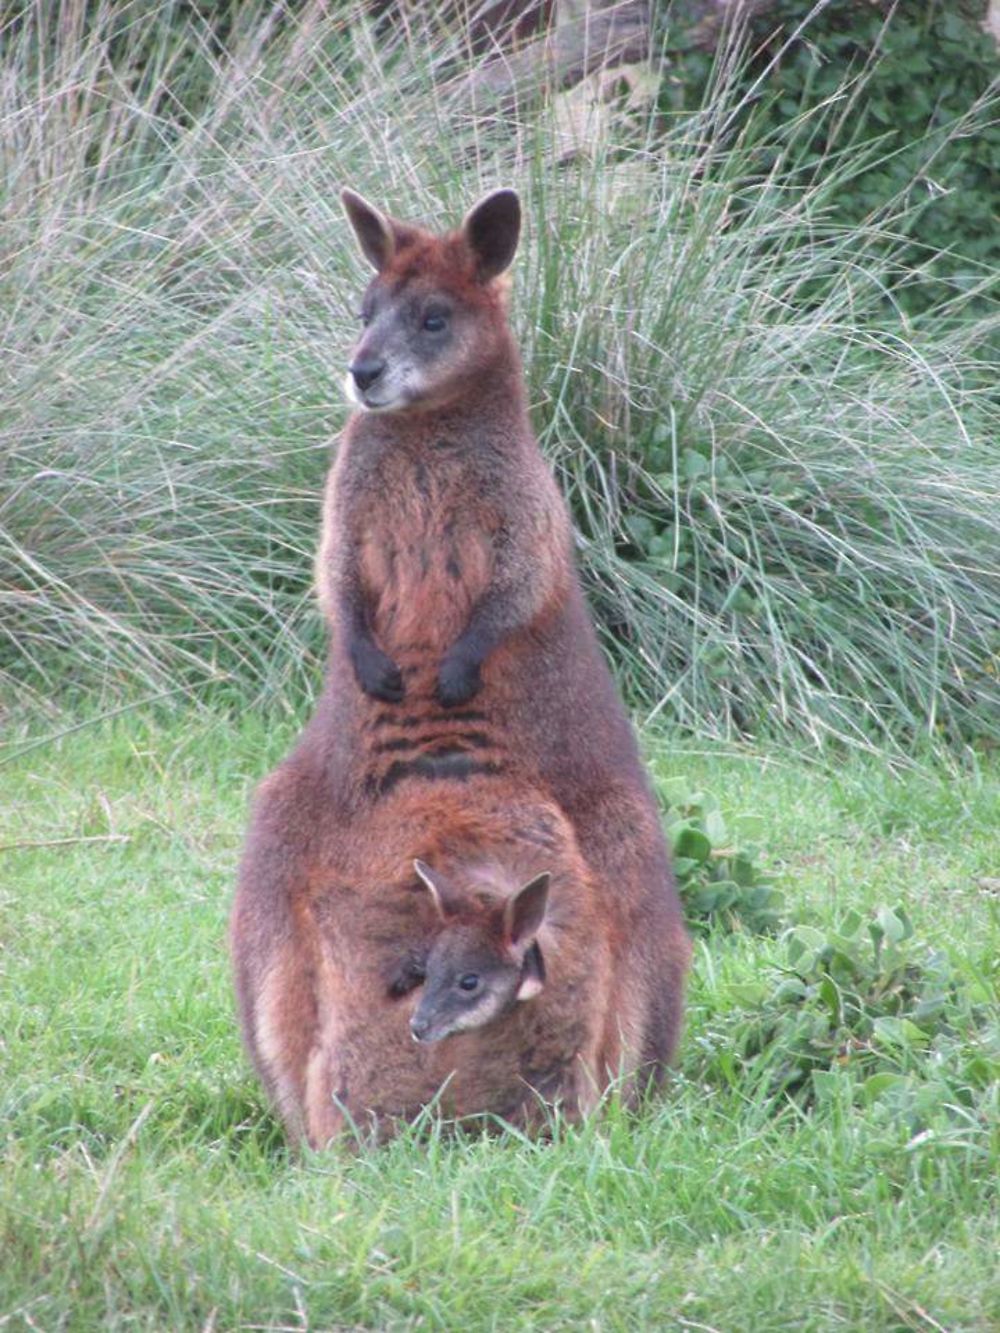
point(144, 1185)
point(787, 491)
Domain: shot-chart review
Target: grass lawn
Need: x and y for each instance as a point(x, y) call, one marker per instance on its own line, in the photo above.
point(145, 1185)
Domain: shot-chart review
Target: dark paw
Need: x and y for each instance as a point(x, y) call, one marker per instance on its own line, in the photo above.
point(458, 680)
point(378, 675)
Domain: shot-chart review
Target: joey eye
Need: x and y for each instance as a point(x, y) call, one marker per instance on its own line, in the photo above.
point(469, 982)
point(434, 322)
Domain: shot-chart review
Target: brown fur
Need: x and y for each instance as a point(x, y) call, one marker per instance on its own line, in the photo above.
point(340, 1046)
point(447, 553)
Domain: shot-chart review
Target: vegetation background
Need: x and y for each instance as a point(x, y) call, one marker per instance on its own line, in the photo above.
point(758, 301)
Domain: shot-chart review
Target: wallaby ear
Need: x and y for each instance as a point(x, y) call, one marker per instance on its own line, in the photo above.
point(436, 888)
point(524, 911)
point(491, 229)
point(532, 974)
point(372, 228)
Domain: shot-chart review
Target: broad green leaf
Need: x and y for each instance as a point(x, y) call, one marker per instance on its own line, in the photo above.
point(715, 827)
point(694, 465)
point(899, 1032)
point(830, 996)
point(879, 1084)
point(803, 940)
point(889, 923)
point(690, 842)
point(792, 988)
point(748, 993)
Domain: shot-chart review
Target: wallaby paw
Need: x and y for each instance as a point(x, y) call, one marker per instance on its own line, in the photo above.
point(378, 675)
point(458, 680)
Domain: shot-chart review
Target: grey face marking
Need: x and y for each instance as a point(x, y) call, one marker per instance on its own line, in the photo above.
point(406, 339)
point(465, 988)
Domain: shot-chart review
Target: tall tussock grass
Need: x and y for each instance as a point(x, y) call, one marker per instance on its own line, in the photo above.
point(787, 492)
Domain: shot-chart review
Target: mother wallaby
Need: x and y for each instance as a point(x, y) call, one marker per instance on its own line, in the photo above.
point(446, 570)
point(462, 653)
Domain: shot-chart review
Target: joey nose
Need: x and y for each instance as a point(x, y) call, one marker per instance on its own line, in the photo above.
point(419, 1027)
point(366, 371)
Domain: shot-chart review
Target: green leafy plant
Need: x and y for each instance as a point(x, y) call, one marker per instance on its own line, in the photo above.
point(718, 875)
point(912, 81)
point(866, 1007)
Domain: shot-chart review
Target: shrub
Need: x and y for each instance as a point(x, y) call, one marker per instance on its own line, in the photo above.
point(718, 875)
point(923, 72)
point(864, 1007)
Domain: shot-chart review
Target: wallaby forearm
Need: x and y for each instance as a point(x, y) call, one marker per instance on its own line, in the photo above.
point(494, 617)
point(517, 592)
point(376, 672)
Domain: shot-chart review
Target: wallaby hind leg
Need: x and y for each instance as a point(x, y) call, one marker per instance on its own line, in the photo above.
point(282, 1019)
point(620, 836)
point(274, 960)
point(324, 1117)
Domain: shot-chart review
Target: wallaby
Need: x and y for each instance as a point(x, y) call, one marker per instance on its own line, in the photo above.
point(461, 650)
point(451, 950)
point(446, 570)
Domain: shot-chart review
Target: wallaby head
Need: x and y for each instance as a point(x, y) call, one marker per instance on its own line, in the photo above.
point(433, 316)
point(484, 959)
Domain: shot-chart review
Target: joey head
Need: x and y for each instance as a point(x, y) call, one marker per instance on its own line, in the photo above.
point(484, 960)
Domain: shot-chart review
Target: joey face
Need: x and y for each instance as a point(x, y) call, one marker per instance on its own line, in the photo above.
point(433, 317)
point(467, 986)
point(483, 960)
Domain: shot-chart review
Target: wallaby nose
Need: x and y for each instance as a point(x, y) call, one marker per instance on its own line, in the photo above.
point(366, 372)
point(419, 1027)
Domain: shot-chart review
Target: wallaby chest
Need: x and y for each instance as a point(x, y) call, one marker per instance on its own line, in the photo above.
point(425, 532)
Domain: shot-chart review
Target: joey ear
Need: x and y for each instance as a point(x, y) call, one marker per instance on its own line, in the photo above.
point(437, 888)
point(373, 230)
point(491, 229)
point(524, 911)
point(532, 975)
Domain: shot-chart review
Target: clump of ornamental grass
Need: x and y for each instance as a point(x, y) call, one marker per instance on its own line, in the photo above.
point(785, 490)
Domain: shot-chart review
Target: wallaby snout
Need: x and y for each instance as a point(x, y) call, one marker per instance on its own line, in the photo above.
point(420, 1028)
point(366, 371)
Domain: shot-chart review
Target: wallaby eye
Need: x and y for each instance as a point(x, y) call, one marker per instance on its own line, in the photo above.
point(469, 982)
point(434, 321)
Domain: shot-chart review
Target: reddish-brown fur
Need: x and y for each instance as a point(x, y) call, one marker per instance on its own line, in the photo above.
point(329, 1011)
point(446, 553)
